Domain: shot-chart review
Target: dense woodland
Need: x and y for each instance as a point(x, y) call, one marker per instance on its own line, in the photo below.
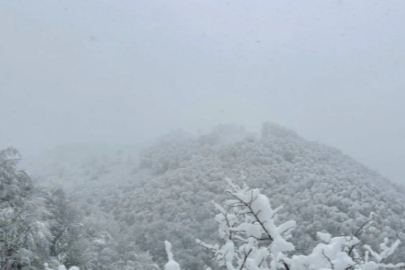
point(112, 207)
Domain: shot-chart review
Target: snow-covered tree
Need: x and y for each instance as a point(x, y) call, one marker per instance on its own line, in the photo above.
point(249, 237)
point(24, 233)
point(67, 230)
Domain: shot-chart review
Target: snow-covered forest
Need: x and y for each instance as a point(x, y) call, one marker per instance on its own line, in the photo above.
point(113, 207)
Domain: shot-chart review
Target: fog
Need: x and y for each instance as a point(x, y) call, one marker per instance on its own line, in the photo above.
point(129, 71)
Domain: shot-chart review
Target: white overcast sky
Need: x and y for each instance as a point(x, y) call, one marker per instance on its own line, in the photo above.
point(127, 71)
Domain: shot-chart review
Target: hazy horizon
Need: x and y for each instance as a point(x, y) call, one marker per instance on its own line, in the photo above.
point(129, 71)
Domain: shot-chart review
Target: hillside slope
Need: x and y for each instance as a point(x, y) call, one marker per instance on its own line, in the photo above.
point(168, 188)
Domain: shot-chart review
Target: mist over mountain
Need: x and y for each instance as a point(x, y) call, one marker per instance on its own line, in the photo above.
point(164, 190)
point(74, 165)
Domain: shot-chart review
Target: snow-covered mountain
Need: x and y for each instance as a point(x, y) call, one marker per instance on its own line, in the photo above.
point(164, 191)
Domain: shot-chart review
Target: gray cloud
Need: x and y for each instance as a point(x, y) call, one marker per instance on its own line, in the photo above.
point(124, 71)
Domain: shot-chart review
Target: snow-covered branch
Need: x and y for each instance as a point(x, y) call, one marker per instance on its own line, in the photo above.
point(249, 218)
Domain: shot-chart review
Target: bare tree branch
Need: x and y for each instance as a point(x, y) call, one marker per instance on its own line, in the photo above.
point(331, 264)
point(244, 259)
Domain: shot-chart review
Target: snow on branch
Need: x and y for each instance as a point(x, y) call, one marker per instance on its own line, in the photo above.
point(248, 231)
point(251, 240)
point(171, 264)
